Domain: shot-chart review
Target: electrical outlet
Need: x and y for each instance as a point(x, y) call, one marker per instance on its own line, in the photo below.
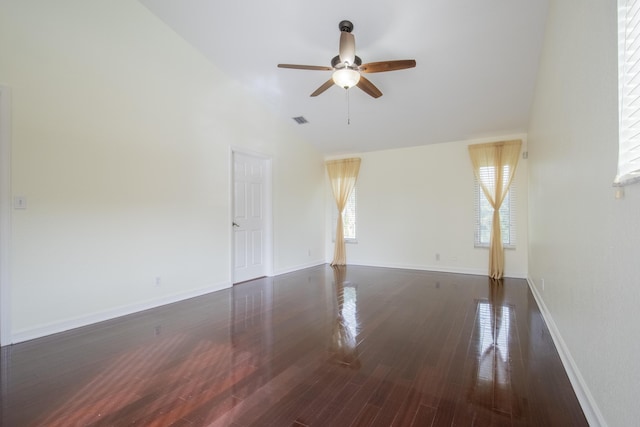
point(437, 257)
point(158, 282)
point(542, 283)
point(19, 202)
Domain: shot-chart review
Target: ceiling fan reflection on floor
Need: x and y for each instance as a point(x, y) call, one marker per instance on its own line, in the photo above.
point(347, 66)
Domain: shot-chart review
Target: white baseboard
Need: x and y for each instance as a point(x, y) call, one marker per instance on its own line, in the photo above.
point(77, 322)
point(299, 267)
point(439, 269)
point(587, 402)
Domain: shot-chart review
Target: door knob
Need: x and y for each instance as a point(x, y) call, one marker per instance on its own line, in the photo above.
point(235, 225)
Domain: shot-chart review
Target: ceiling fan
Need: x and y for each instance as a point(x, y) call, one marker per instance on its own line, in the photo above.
point(347, 66)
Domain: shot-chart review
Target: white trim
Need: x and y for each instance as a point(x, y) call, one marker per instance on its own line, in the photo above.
point(622, 181)
point(587, 402)
point(437, 269)
point(5, 215)
point(230, 213)
point(628, 110)
point(268, 206)
point(467, 271)
point(77, 322)
point(300, 267)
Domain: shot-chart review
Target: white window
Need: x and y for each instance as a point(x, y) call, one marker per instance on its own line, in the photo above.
point(628, 92)
point(484, 211)
point(348, 217)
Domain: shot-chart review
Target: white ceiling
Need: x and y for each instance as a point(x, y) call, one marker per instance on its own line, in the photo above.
point(476, 64)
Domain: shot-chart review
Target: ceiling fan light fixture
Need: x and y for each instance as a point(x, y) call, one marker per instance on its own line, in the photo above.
point(346, 78)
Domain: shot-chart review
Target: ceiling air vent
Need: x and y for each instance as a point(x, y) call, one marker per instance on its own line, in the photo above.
point(300, 120)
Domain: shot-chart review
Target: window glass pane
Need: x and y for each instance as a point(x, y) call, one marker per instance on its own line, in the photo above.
point(484, 211)
point(348, 217)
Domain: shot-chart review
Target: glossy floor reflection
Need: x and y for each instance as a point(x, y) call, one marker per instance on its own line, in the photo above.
point(355, 346)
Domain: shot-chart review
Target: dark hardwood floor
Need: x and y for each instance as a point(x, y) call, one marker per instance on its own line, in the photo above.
point(358, 346)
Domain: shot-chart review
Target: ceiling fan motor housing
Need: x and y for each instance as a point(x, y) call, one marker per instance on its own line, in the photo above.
point(346, 26)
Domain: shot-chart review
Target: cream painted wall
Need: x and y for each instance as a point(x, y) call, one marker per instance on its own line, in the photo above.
point(416, 202)
point(121, 136)
point(584, 243)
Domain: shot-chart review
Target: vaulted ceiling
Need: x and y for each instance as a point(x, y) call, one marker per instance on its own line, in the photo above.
point(477, 63)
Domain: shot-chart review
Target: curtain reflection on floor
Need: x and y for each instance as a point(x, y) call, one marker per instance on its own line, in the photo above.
point(319, 347)
point(343, 347)
point(491, 386)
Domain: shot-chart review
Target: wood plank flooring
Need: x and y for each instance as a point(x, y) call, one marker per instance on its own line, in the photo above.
point(355, 346)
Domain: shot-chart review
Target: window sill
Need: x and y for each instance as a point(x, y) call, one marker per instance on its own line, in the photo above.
point(509, 247)
point(623, 181)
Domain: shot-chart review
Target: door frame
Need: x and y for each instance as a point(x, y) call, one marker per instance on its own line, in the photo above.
point(268, 210)
point(5, 215)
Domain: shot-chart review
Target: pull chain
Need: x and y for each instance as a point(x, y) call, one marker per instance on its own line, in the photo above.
point(348, 109)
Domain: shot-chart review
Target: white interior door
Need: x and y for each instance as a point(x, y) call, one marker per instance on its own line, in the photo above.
point(249, 217)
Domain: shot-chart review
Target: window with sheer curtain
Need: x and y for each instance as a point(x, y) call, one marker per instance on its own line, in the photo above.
point(343, 175)
point(628, 92)
point(484, 211)
point(494, 165)
point(348, 217)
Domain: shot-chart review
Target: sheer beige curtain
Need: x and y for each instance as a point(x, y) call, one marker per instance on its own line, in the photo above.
point(343, 174)
point(494, 165)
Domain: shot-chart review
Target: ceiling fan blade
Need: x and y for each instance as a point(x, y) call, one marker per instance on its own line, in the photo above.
point(305, 67)
point(347, 48)
point(324, 87)
point(379, 67)
point(369, 88)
